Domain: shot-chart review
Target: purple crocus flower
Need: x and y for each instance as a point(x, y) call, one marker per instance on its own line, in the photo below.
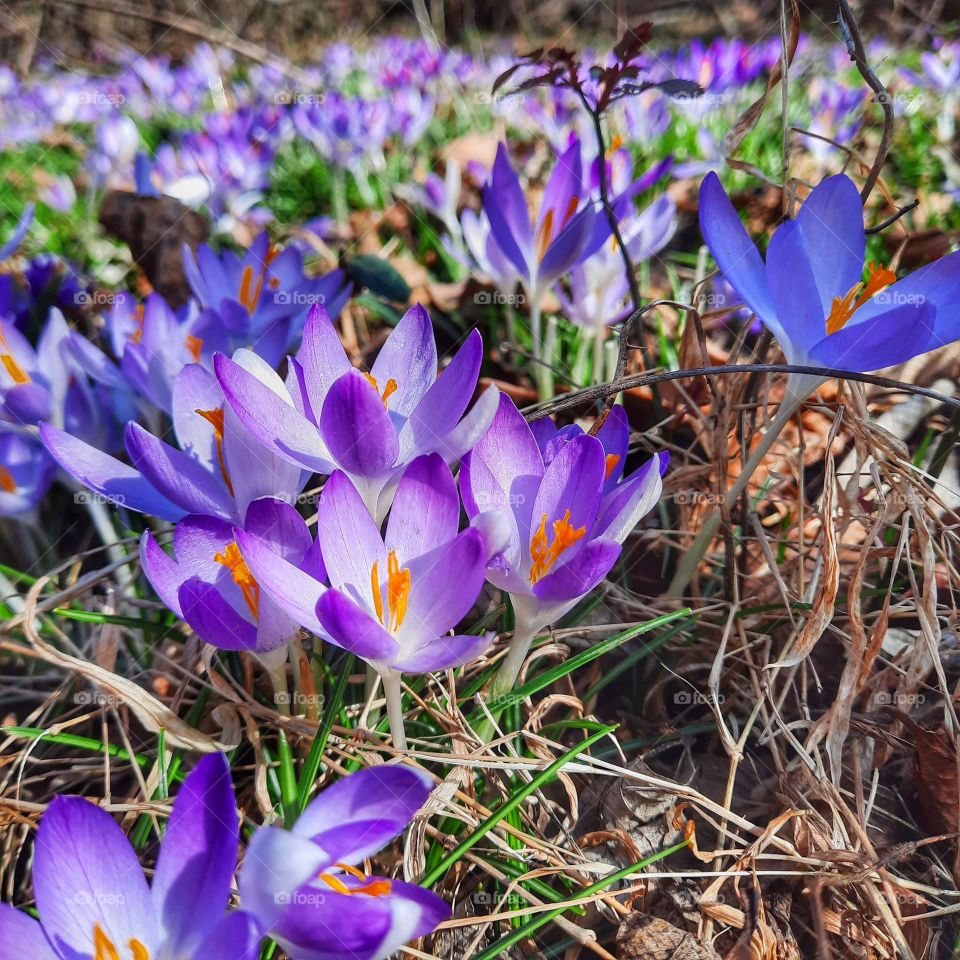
point(811, 293)
point(331, 416)
point(566, 512)
point(94, 901)
point(393, 599)
point(304, 885)
point(263, 297)
point(26, 472)
point(218, 470)
point(19, 232)
point(566, 230)
point(208, 584)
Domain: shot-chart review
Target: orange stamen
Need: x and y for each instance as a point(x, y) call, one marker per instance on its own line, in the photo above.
point(388, 391)
point(572, 205)
point(374, 887)
point(17, 373)
point(611, 462)
point(545, 554)
point(232, 559)
point(7, 484)
point(194, 345)
point(615, 144)
point(138, 950)
point(137, 334)
point(215, 419)
point(843, 308)
point(545, 235)
point(103, 948)
point(250, 292)
point(398, 592)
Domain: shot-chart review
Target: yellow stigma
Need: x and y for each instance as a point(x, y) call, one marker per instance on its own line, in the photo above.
point(545, 554)
point(232, 559)
point(104, 948)
point(372, 887)
point(17, 373)
point(388, 391)
point(194, 345)
point(398, 592)
point(843, 308)
point(7, 483)
point(215, 419)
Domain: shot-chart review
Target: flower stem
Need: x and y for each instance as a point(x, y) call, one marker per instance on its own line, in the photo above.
point(393, 692)
point(499, 695)
point(691, 558)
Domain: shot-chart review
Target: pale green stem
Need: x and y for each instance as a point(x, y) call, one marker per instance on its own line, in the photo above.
point(545, 369)
point(691, 558)
point(339, 196)
point(499, 693)
point(393, 692)
point(281, 692)
point(536, 334)
point(103, 522)
point(598, 343)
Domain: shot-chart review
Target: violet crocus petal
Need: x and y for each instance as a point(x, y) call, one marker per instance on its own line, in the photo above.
point(275, 627)
point(356, 427)
point(270, 418)
point(503, 471)
point(426, 509)
point(28, 403)
point(633, 498)
point(348, 536)
point(443, 653)
point(86, 874)
point(568, 246)
point(322, 357)
point(213, 619)
point(506, 208)
point(275, 864)
point(614, 435)
point(831, 222)
point(197, 540)
point(313, 928)
point(376, 803)
point(293, 590)
point(442, 406)
point(180, 478)
point(235, 936)
point(255, 472)
point(162, 571)
point(107, 476)
point(409, 358)
point(735, 253)
point(276, 522)
point(884, 339)
point(198, 856)
point(21, 936)
point(444, 585)
point(573, 482)
point(580, 574)
point(353, 628)
point(196, 389)
point(464, 436)
point(793, 287)
point(563, 188)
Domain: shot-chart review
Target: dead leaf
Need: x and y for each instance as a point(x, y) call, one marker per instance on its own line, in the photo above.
point(643, 937)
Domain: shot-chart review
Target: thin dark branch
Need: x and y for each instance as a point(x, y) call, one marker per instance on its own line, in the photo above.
point(593, 394)
point(901, 212)
point(858, 55)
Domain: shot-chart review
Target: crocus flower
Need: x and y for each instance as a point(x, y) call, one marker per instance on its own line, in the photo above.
point(26, 472)
point(565, 230)
point(263, 297)
point(331, 416)
point(19, 232)
point(811, 292)
point(566, 524)
point(393, 599)
point(218, 470)
point(305, 887)
point(94, 901)
point(208, 584)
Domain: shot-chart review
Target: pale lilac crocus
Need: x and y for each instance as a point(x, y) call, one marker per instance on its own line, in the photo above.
point(305, 885)
point(330, 416)
point(393, 598)
point(566, 511)
point(94, 901)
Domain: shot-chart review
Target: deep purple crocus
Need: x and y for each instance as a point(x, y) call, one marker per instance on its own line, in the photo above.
point(208, 584)
point(393, 599)
point(218, 470)
point(330, 416)
point(567, 510)
point(304, 884)
point(26, 472)
point(811, 292)
point(94, 901)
